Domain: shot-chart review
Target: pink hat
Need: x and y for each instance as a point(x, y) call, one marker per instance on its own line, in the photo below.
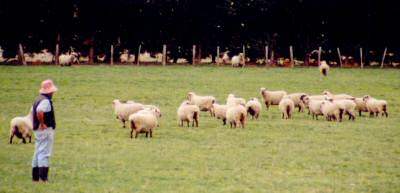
point(47, 87)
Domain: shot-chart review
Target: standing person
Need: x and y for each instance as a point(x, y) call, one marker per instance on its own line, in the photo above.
point(43, 126)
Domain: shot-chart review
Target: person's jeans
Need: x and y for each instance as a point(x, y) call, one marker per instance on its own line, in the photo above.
point(44, 140)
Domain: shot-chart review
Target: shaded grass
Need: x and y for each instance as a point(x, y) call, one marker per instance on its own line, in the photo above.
point(93, 154)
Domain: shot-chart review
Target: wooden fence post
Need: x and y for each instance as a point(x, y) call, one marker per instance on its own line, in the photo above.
point(272, 58)
point(56, 57)
point(194, 55)
point(164, 57)
point(266, 56)
point(138, 57)
point(244, 55)
point(319, 55)
point(112, 55)
point(340, 57)
point(361, 58)
point(383, 57)
point(291, 56)
point(91, 53)
point(21, 54)
point(217, 57)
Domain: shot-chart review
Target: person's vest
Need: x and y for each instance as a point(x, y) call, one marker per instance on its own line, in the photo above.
point(48, 117)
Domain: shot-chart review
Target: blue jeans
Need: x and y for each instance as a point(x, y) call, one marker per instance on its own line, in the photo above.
point(44, 140)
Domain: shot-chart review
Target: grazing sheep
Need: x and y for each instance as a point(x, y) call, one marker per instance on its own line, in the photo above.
point(124, 110)
point(22, 127)
point(345, 106)
point(220, 112)
point(337, 96)
point(232, 100)
point(329, 110)
point(272, 97)
point(313, 105)
point(238, 61)
point(376, 106)
point(324, 68)
point(361, 105)
point(144, 121)
point(253, 107)
point(286, 106)
point(297, 101)
point(68, 59)
point(235, 115)
point(205, 103)
point(189, 113)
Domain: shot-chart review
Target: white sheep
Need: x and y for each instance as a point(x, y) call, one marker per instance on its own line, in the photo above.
point(345, 106)
point(1, 55)
point(220, 112)
point(313, 105)
point(226, 58)
point(238, 61)
point(68, 59)
point(361, 105)
point(207, 60)
point(329, 110)
point(272, 97)
point(123, 110)
point(205, 103)
point(297, 101)
point(376, 106)
point(286, 106)
point(253, 107)
point(235, 115)
point(101, 58)
point(189, 113)
point(232, 100)
point(125, 57)
point(324, 68)
point(144, 121)
point(22, 127)
point(84, 59)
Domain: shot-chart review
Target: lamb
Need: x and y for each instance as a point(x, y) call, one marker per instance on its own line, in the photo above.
point(286, 106)
point(238, 61)
point(337, 96)
point(124, 110)
point(253, 107)
point(144, 121)
point(272, 97)
point(232, 100)
point(220, 112)
point(329, 110)
point(189, 113)
point(235, 115)
point(345, 106)
point(68, 59)
point(313, 105)
point(361, 105)
point(205, 103)
point(22, 127)
point(376, 106)
point(297, 101)
point(324, 68)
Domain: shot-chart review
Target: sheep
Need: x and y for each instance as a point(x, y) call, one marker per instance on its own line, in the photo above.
point(376, 106)
point(84, 59)
point(44, 57)
point(1, 55)
point(329, 110)
point(238, 61)
point(207, 60)
point(22, 127)
point(146, 57)
point(220, 112)
point(236, 114)
point(125, 57)
point(337, 96)
point(313, 105)
point(189, 113)
point(296, 99)
point(144, 121)
point(124, 110)
point(225, 58)
point(324, 68)
point(286, 106)
point(68, 59)
point(205, 103)
point(272, 97)
point(101, 58)
point(345, 106)
point(253, 107)
point(361, 105)
point(232, 100)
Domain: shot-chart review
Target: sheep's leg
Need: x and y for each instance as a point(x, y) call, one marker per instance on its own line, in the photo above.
point(23, 140)
point(131, 133)
point(386, 113)
point(147, 134)
point(123, 123)
point(11, 138)
point(371, 114)
point(187, 122)
point(257, 116)
point(267, 105)
point(136, 134)
point(376, 114)
point(151, 133)
point(30, 139)
point(231, 124)
point(193, 123)
point(224, 121)
point(359, 113)
point(283, 115)
point(197, 122)
point(299, 109)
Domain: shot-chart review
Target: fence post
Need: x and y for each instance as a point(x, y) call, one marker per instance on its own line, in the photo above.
point(138, 55)
point(91, 53)
point(128, 56)
point(56, 57)
point(266, 56)
point(244, 55)
point(291, 56)
point(217, 57)
point(340, 57)
point(21, 54)
point(361, 58)
point(272, 58)
point(164, 57)
point(383, 57)
point(319, 55)
point(194, 55)
point(112, 55)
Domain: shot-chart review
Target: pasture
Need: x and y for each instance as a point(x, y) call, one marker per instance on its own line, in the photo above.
point(93, 153)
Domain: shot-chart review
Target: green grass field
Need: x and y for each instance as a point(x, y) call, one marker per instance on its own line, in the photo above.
point(93, 153)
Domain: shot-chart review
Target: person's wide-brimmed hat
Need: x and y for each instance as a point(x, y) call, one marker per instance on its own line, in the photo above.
point(47, 87)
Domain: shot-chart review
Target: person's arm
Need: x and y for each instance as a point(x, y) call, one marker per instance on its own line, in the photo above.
point(40, 116)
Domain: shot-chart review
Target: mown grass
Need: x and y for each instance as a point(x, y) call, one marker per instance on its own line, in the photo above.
point(94, 154)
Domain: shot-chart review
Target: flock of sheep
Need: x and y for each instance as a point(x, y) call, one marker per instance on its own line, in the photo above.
point(144, 118)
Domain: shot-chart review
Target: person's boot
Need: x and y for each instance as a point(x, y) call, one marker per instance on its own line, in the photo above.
point(43, 173)
point(35, 174)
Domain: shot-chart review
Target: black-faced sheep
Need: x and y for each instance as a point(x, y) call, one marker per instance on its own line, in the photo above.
point(253, 107)
point(324, 68)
